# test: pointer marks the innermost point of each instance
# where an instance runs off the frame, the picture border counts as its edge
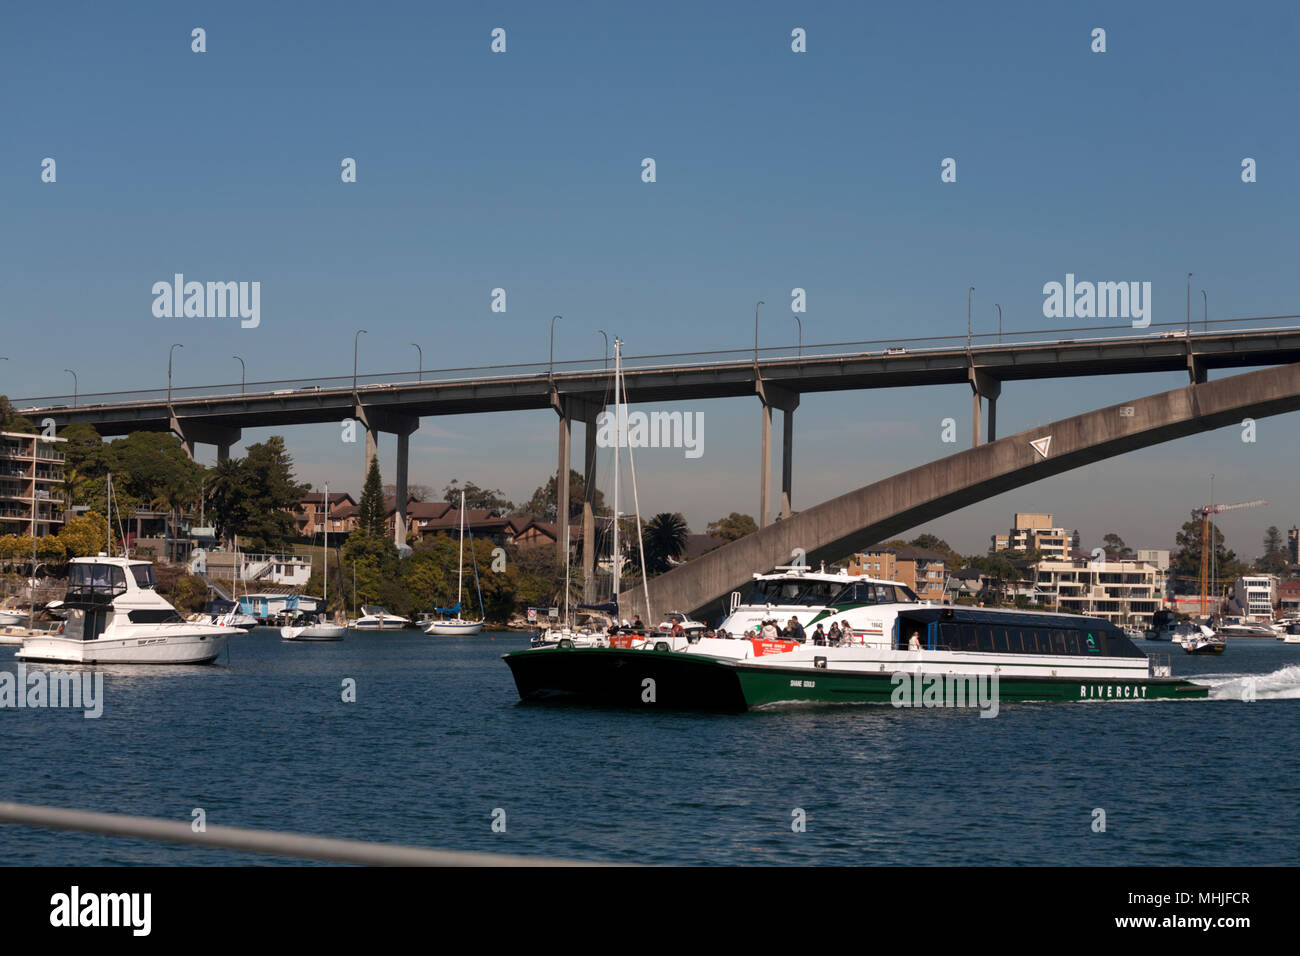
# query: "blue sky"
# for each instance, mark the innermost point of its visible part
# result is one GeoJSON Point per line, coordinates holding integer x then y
{"type": "Point", "coordinates": [775, 170]}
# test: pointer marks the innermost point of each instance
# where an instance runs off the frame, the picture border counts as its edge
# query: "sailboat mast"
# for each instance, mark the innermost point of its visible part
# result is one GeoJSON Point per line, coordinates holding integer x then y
{"type": "Point", "coordinates": [618, 440]}
{"type": "Point", "coordinates": [566, 574]}
{"type": "Point", "coordinates": [460, 571]}
{"type": "Point", "coordinates": [326, 598]}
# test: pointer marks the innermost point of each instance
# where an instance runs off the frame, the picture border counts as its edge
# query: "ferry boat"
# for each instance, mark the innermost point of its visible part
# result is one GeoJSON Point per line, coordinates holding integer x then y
{"type": "Point", "coordinates": [887, 636]}
{"type": "Point", "coordinates": [113, 615]}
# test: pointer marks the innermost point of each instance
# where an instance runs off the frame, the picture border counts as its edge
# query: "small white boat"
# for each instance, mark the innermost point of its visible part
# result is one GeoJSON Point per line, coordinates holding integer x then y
{"type": "Point", "coordinates": [677, 618]}
{"type": "Point", "coordinates": [1292, 634]}
{"type": "Point", "coordinates": [317, 627]}
{"type": "Point", "coordinates": [12, 617]}
{"type": "Point", "coordinates": [375, 618]}
{"type": "Point", "coordinates": [1235, 627]}
{"type": "Point", "coordinates": [311, 628]}
{"type": "Point", "coordinates": [1204, 644]}
{"type": "Point", "coordinates": [113, 615]}
{"type": "Point", "coordinates": [457, 626]}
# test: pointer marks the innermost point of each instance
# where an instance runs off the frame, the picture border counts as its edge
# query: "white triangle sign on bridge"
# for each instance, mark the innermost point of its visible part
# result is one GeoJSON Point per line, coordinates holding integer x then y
{"type": "Point", "coordinates": [1042, 445]}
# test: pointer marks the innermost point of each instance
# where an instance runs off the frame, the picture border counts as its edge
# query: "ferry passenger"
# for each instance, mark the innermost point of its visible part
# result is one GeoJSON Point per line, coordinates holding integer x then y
{"type": "Point", "coordinates": [794, 631]}
{"type": "Point", "coordinates": [769, 630]}
{"type": "Point", "coordinates": [914, 643]}
{"type": "Point", "coordinates": [636, 623]}
{"type": "Point", "coordinates": [819, 636]}
{"type": "Point", "coordinates": [678, 630]}
{"type": "Point", "coordinates": [834, 635]}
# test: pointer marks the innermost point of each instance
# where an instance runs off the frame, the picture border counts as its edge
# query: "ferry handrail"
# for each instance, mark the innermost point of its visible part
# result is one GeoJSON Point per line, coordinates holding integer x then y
{"type": "Point", "coordinates": [302, 846]}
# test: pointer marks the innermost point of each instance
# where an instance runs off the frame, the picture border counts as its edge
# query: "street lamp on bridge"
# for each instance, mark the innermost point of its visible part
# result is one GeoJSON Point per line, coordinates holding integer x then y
{"type": "Point", "coordinates": [171, 351]}
{"type": "Point", "coordinates": [968, 325]}
{"type": "Point", "coordinates": [74, 385]}
{"type": "Point", "coordinates": [551, 374]}
{"type": "Point", "coordinates": [420, 377]}
{"type": "Point", "coordinates": [602, 332]}
{"type": "Point", "coordinates": [1189, 303]}
{"type": "Point", "coordinates": [242, 371]}
{"type": "Point", "coordinates": [756, 305]}
{"type": "Point", "coordinates": [1205, 301]}
{"type": "Point", "coordinates": [999, 308]}
{"type": "Point", "coordinates": [355, 339]}
{"type": "Point", "coordinates": [800, 323]}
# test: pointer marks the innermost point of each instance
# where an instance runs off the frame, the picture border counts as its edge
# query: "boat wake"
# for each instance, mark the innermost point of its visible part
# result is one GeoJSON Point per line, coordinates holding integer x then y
{"type": "Point", "coordinates": [1281, 684]}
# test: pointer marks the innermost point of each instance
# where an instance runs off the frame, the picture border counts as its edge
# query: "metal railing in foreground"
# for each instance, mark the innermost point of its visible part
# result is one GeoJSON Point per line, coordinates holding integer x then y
{"type": "Point", "coordinates": [326, 849]}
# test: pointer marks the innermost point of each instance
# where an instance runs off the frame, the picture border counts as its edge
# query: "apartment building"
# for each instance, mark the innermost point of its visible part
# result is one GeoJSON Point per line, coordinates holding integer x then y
{"type": "Point", "coordinates": [1252, 597]}
{"type": "Point", "coordinates": [1035, 532]}
{"type": "Point", "coordinates": [31, 484]}
{"type": "Point", "coordinates": [1122, 592]}
{"type": "Point", "coordinates": [919, 569]}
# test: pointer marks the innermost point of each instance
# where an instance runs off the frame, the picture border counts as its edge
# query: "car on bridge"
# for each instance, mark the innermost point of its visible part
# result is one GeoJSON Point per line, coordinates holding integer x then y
{"type": "Point", "coordinates": [895, 350]}
{"type": "Point", "coordinates": [1172, 334]}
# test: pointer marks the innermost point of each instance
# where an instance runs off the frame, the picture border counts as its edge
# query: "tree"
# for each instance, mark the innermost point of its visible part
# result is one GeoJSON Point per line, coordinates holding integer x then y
{"type": "Point", "coordinates": [85, 460]}
{"type": "Point", "coordinates": [229, 500]}
{"type": "Point", "coordinates": [930, 542]}
{"type": "Point", "coordinates": [1074, 540]}
{"type": "Point", "coordinates": [85, 535]}
{"type": "Point", "coordinates": [664, 539]}
{"type": "Point", "coordinates": [542, 503]}
{"type": "Point", "coordinates": [1115, 548]}
{"type": "Point", "coordinates": [1185, 562]}
{"type": "Point", "coordinates": [484, 498]}
{"type": "Point", "coordinates": [1274, 558]}
{"type": "Point", "coordinates": [733, 527]}
{"type": "Point", "coordinates": [10, 420]}
{"type": "Point", "coordinates": [370, 510]}
{"type": "Point", "coordinates": [261, 509]}
{"type": "Point", "coordinates": [416, 492]}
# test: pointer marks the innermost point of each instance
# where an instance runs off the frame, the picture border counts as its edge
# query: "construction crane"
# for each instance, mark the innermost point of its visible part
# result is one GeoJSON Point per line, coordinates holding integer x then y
{"type": "Point", "coordinates": [1207, 546]}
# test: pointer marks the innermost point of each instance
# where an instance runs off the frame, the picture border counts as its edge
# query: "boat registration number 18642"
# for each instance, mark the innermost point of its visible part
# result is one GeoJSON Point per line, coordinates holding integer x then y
{"type": "Point", "coordinates": [803, 683]}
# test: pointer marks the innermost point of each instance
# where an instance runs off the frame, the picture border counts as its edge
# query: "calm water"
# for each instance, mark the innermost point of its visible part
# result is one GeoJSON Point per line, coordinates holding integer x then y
{"type": "Point", "coordinates": [437, 740]}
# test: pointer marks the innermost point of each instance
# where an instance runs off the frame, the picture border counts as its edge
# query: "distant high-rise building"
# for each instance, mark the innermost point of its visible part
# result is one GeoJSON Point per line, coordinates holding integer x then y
{"type": "Point", "coordinates": [1035, 532]}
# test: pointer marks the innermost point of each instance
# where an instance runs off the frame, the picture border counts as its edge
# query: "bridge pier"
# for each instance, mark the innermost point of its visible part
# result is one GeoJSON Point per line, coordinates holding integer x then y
{"type": "Point", "coordinates": [192, 433]}
{"type": "Point", "coordinates": [569, 408]}
{"type": "Point", "coordinates": [589, 503]}
{"type": "Point", "coordinates": [395, 423]}
{"type": "Point", "coordinates": [786, 400]}
{"type": "Point", "coordinates": [986, 386]}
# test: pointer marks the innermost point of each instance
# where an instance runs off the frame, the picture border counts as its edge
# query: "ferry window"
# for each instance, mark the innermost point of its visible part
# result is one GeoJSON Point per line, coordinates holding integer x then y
{"type": "Point", "coordinates": [1058, 642]}
{"type": "Point", "coordinates": [1013, 640]}
{"type": "Point", "coordinates": [1001, 642]}
{"type": "Point", "coordinates": [1033, 641]}
{"type": "Point", "coordinates": [986, 638]}
{"type": "Point", "coordinates": [968, 637]}
{"type": "Point", "coordinates": [948, 635]}
{"type": "Point", "coordinates": [1072, 642]}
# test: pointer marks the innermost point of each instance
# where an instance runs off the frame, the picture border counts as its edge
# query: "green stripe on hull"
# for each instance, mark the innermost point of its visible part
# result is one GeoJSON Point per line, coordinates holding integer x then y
{"type": "Point", "coordinates": [766, 685]}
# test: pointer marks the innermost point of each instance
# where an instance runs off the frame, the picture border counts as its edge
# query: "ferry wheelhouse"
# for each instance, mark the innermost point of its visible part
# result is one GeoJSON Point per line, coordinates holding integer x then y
{"type": "Point", "coordinates": [885, 635]}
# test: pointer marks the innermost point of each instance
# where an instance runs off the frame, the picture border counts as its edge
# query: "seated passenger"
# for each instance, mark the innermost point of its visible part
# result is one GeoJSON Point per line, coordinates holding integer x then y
{"type": "Point", "coordinates": [769, 630]}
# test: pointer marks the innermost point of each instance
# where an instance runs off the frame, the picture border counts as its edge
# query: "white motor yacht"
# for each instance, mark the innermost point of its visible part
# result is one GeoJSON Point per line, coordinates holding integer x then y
{"type": "Point", "coordinates": [375, 618]}
{"type": "Point", "coordinates": [114, 615]}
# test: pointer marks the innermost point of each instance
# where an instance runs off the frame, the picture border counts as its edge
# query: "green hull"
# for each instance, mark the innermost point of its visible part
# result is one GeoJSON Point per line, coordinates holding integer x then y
{"type": "Point", "coordinates": [695, 682]}
{"type": "Point", "coordinates": [768, 685]}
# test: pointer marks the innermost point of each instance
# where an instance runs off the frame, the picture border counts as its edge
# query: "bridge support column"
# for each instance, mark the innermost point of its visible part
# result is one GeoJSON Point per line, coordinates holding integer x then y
{"type": "Point", "coordinates": [589, 504]}
{"type": "Point", "coordinates": [374, 421]}
{"type": "Point", "coordinates": [402, 479]}
{"type": "Point", "coordinates": [775, 396]}
{"type": "Point", "coordinates": [193, 433]}
{"type": "Point", "coordinates": [1196, 372]}
{"type": "Point", "coordinates": [983, 385]}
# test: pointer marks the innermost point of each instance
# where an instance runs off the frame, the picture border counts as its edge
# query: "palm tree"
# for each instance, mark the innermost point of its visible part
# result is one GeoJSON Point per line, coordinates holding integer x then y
{"type": "Point", "coordinates": [665, 540]}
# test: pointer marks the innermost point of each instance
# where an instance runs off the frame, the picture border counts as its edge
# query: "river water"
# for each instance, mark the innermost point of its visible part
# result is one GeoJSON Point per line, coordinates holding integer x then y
{"type": "Point", "coordinates": [437, 745]}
